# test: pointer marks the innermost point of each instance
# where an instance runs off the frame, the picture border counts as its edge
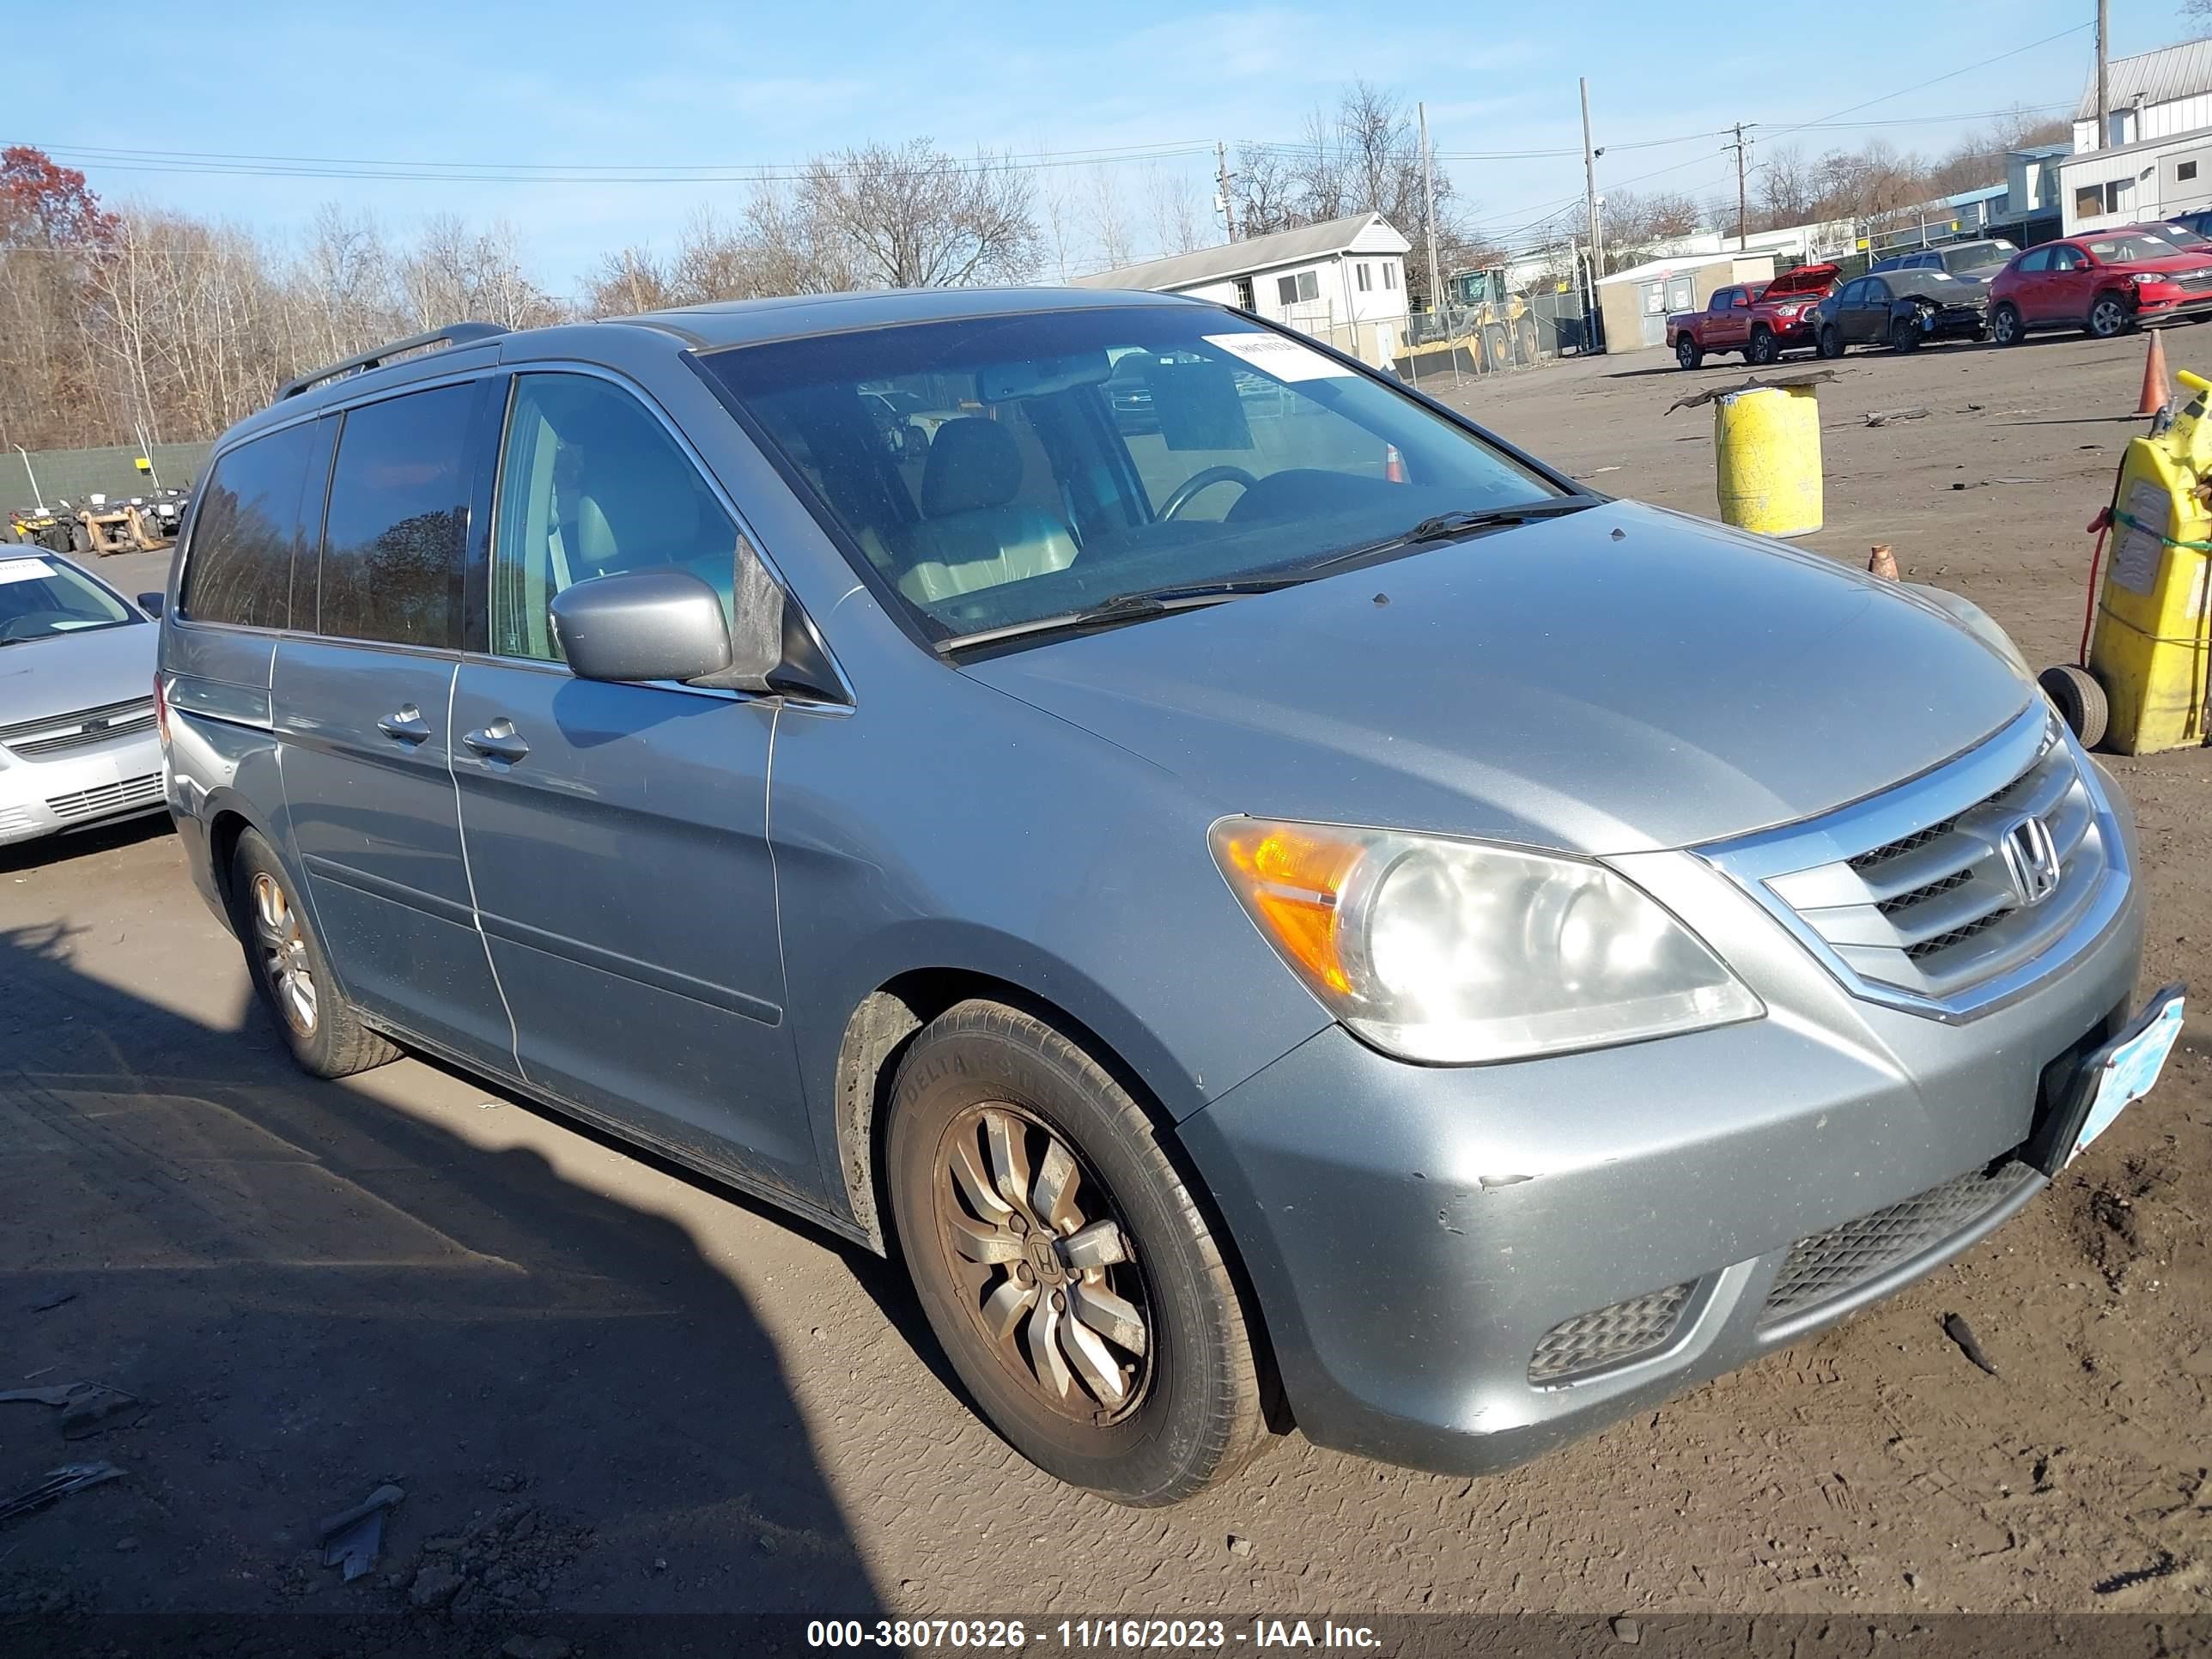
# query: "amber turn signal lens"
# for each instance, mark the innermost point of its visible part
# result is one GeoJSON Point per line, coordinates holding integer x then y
{"type": "Point", "coordinates": [1290, 879]}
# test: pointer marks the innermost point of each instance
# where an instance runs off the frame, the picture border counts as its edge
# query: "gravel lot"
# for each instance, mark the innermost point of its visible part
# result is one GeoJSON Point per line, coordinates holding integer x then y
{"type": "Point", "coordinates": [609, 1386]}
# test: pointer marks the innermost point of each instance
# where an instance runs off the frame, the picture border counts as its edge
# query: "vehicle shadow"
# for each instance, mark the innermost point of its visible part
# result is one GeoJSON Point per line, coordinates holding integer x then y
{"type": "Point", "coordinates": [310, 1294]}
{"type": "Point", "coordinates": [22, 855]}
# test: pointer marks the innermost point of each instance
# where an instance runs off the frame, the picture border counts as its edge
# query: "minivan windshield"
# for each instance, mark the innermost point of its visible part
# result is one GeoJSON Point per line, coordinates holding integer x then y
{"type": "Point", "coordinates": [1042, 465]}
{"type": "Point", "coordinates": [40, 597]}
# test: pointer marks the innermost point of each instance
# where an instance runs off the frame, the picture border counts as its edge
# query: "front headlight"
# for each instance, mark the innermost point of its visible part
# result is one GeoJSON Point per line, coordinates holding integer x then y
{"type": "Point", "coordinates": [1455, 952]}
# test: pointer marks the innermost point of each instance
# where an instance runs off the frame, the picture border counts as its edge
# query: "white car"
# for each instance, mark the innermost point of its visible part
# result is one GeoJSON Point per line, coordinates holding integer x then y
{"type": "Point", "coordinates": [78, 740]}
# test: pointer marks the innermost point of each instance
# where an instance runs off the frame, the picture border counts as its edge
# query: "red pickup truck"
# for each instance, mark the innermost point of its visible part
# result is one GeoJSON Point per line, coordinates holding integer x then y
{"type": "Point", "coordinates": [1761, 320]}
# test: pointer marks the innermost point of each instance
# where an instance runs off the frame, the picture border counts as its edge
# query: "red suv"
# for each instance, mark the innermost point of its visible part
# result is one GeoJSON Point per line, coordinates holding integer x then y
{"type": "Point", "coordinates": [2104, 283]}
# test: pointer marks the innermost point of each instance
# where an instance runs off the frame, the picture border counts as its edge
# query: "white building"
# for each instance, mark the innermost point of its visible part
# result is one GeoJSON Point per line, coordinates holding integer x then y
{"type": "Point", "coordinates": [2153, 179]}
{"type": "Point", "coordinates": [2153, 95]}
{"type": "Point", "coordinates": [1343, 282]}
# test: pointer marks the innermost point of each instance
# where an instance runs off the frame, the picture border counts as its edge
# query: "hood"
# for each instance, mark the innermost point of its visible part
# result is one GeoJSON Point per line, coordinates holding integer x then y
{"type": "Point", "coordinates": [1551, 683]}
{"type": "Point", "coordinates": [1804, 283]}
{"type": "Point", "coordinates": [2176, 264]}
{"type": "Point", "coordinates": [64, 672]}
{"type": "Point", "coordinates": [1941, 287]}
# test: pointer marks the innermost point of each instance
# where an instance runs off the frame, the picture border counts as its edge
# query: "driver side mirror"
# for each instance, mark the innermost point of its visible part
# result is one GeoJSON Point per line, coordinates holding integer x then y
{"type": "Point", "coordinates": [151, 603]}
{"type": "Point", "coordinates": [643, 625]}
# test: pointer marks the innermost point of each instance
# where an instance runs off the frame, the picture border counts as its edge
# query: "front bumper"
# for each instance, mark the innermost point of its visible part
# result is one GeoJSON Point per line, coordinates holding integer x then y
{"type": "Point", "coordinates": [1414, 1235]}
{"type": "Point", "coordinates": [2191, 308]}
{"type": "Point", "coordinates": [80, 788]}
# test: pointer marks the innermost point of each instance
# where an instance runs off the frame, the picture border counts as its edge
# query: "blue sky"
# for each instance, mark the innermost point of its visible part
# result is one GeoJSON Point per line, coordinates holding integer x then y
{"type": "Point", "coordinates": [684, 85]}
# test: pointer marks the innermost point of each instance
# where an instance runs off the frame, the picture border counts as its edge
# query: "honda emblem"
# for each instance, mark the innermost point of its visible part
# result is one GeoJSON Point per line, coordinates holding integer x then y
{"type": "Point", "coordinates": [2032, 861]}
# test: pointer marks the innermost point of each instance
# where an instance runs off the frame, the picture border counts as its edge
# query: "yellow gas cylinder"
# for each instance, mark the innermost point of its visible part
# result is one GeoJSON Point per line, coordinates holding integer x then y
{"type": "Point", "coordinates": [2148, 648]}
{"type": "Point", "coordinates": [1766, 451]}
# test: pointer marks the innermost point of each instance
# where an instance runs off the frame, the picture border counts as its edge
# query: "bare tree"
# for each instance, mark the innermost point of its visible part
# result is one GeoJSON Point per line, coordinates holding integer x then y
{"type": "Point", "coordinates": [1107, 214]}
{"type": "Point", "coordinates": [912, 216]}
{"type": "Point", "coordinates": [1173, 210]}
{"type": "Point", "coordinates": [1363, 157]}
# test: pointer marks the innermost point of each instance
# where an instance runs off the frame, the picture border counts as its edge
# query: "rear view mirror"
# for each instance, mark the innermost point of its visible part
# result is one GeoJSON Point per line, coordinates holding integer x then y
{"type": "Point", "coordinates": [642, 625]}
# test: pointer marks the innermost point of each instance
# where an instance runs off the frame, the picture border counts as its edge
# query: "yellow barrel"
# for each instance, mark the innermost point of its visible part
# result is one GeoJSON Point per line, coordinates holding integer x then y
{"type": "Point", "coordinates": [1766, 451]}
{"type": "Point", "coordinates": [2152, 639]}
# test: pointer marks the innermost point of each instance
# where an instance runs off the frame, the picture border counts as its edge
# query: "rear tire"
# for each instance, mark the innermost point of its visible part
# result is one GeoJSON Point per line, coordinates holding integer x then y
{"type": "Point", "coordinates": [2006, 327]}
{"type": "Point", "coordinates": [988, 1102]}
{"type": "Point", "coordinates": [317, 1020]}
{"type": "Point", "coordinates": [1830, 344]}
{"type": "Point", "coordinates": [2079, 700]}
{"type": "Point", "coordinates": [1688, 352]}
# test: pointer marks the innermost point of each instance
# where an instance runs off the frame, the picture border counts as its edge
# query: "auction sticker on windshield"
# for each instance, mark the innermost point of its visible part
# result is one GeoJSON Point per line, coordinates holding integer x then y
{"type": "Point", "coordinates": [2130, 1070]}
{"type": "Point", "coordinates": [1286, 360]}
{"type": "Point", "coordinates": [23, 570]}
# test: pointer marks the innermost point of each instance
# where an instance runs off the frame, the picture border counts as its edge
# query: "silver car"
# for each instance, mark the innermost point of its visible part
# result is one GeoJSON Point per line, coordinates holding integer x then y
{"type": "Point", "coordinates": [1313, 918]}
{"type": "Point", "coordinates": [77, 738]}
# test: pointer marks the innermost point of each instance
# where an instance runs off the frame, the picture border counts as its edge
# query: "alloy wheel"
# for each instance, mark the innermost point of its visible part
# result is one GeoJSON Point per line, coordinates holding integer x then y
{"type": "Point", "coordinates": [1046, 1264]}
{"type": "Point", "coordinates": [283, 955]}
{"type": "Point", "coordinates": [2107, 318]}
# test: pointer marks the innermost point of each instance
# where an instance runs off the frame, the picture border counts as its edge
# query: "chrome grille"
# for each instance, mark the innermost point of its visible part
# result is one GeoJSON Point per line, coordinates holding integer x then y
{"type": "Point", "coordinates": [56, 732]}
{"type": "Point", "coordinates": [1912, 895]}
{"type": "Point", "coordinates": [108, 797]}
{"type": "Point", "coordinates": [1836, 1261]}
{"type": "Point", "coordinates": [1608, 1336]}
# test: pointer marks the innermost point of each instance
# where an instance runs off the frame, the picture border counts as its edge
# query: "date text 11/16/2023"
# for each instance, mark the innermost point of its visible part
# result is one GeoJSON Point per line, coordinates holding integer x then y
{"type": "Point", "coordinates": [1084, 1635]}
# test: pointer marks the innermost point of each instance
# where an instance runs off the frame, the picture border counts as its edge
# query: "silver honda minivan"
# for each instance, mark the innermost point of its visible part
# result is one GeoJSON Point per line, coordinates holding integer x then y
{"type": "Point", "coordinates": [1288, 910]}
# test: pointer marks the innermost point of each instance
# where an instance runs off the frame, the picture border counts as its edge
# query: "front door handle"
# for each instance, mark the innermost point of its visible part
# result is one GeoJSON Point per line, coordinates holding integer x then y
{"type": "Point", "coordinates": [405, 725]}
{"type": "Point", "coordinates": [497, 741]}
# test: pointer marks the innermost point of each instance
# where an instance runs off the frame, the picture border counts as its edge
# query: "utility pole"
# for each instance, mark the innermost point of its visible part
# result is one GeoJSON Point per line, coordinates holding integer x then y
{"type": "Point", "coordinates": [1428, 215]}
{"type": "Point", "coordinates": [1741, 201]}
{"type": "Point", "coordinates": [1589, 208]}
{"type": "Point", "coordinates": [2104, 84]}
{"type": "Point", "coordinates": [1221, 175]}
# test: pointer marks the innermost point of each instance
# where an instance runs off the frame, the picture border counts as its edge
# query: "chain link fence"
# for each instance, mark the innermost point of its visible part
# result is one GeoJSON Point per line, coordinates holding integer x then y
{"type": "Point", "coordinates": [56, 474]}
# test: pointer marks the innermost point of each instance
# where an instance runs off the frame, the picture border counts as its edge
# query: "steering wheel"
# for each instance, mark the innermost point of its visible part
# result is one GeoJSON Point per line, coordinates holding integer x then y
{"type": "Point", "coordinates": [1212, 476]}
{"type": "Point", "coordinates": [30, 625]}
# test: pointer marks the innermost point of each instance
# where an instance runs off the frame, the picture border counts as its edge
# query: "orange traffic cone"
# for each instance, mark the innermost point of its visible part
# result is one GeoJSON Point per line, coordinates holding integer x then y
{"type": "Point", "coordinates": [1883, 562]}
{"type": "Point", "coordinates": [2155, 395]}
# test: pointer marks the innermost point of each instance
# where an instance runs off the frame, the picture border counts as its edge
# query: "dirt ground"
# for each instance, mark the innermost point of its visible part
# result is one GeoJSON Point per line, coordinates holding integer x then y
{"type": "Point", "coordinates": [608, 1387]}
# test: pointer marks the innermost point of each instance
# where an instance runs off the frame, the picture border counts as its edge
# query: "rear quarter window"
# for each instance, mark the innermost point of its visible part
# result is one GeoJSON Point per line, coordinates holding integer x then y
{"type": "Point", "coordinates": [398, 518]}
{"type": "Point", "coordinates": [256, 516]}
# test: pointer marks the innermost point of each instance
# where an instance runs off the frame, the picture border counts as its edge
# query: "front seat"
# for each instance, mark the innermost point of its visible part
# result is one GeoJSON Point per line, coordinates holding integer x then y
{"type": "Point", "coordinates": [638, 509]}
{"type": "Point", "coordinates": [971, 536]}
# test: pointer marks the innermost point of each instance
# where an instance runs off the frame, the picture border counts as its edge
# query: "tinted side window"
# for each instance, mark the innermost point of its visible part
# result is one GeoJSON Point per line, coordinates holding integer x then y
{"type": "Point", "coordinates": [1877, 291]}
{"type": "Point", "coordinates": [249, 528]}
{"type": "Point", "coordinates": [592, 485]}
{"type": "Point", "coordinates": [2038, 260]}
{"type": "Point", "coordinates": [1853, 292]}
{"type": "Point", "coordinates": [398, 514]}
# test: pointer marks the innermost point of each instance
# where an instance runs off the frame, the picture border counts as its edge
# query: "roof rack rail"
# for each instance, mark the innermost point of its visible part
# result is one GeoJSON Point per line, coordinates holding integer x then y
{"type": "Point", "coordinates": [452, 334]}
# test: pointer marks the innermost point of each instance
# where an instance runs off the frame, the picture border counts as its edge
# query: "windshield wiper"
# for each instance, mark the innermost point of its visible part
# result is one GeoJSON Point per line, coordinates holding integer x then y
{"type": "Point", "coordinates": [1142, 605]}
{"type": "Point", "coordinates": [1443, 526]}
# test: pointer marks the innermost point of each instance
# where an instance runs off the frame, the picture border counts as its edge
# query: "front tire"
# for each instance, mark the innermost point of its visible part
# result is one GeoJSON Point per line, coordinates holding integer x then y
{"type": "Point", "coordinates": [2108, 317]}
{"type": "Point", "coordinates": [1063, 1263]}
{"type": "Point", "coordinates": [1688, 352]}
{"type": "Point", "coordinates": [1904, 334]}
{"type": "Point", "coordinates": [2005, 326]}
{"type": "Point", "coordinates": [317, 1020]}
{"type": "Point", "coordinates": [1764, 348]}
